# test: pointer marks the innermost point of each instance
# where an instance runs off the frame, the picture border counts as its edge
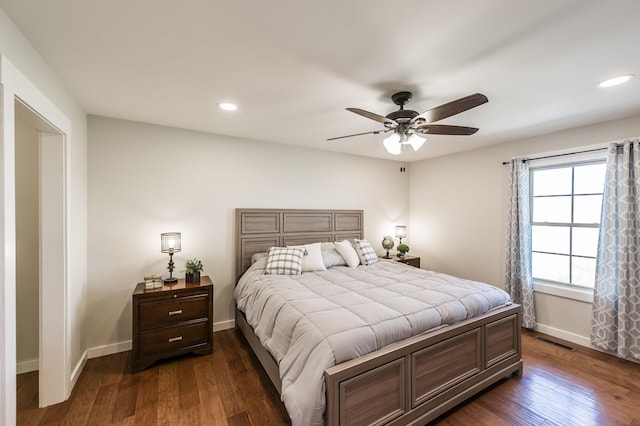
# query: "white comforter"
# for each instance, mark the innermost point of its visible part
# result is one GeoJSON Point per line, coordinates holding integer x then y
{"type": "Point", "coordinates": [313, 321]}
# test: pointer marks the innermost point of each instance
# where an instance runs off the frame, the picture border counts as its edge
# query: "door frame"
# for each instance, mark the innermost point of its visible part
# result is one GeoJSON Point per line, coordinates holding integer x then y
{"type": "Point", "coordinates": [55, 370]}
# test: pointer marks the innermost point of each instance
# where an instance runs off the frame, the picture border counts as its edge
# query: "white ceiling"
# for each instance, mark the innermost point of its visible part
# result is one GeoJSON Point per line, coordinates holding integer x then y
{"type": "Point", "coordinates": [292, 66]}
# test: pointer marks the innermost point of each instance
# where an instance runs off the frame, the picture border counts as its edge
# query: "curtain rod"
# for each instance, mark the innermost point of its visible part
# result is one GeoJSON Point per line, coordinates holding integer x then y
{"type": "Point", "coordinates": [524, 160]}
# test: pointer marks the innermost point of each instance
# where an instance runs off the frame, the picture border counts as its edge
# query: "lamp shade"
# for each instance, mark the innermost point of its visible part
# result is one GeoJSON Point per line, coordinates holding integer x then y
{"type": "Point", "coordinates": [416, 141]}
{"type": "Point", "coordinates": [170, 242]}
{"type": "Point", "coordinates": [401, 231]}
{"type": "Point", "coordinates": [392, 145]}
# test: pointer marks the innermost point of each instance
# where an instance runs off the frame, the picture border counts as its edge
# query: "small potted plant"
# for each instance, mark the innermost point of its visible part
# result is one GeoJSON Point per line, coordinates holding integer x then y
{"type": "Point", "coordinates": [192, 268]}
{"type": "Point", "coordinates": [402, 250]}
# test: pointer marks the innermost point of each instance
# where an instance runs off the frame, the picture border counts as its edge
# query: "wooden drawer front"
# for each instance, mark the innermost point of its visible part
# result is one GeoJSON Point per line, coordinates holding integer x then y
{"type": "Point", "coordinates": [173, 339]}
{"type": "Point", "coordinates": [443, 365]}
{"type": "Point", "coordinates": [502, 339]}
{"type": "Point", "coordinates": [374, 397]}
{"type": "Point", "coordinates": [415, 262]}
{"type": "Point", "coordinates": [171, 311]}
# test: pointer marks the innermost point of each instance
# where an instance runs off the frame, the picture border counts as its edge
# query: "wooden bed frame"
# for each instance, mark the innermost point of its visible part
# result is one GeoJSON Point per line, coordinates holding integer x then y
{"type": "Point", "coordinates": [409, 382]}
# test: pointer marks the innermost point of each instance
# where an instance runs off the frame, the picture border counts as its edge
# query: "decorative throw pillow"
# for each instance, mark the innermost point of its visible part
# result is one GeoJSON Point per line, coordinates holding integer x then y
{"type": "Point", "coordinates": [312, 259]}
{"type": "Point", "coordinates": [284, 261]}
{"type": "Point", "coordinates": [365, 251]}
{"type": "Point", "coordinates": [347, 251]}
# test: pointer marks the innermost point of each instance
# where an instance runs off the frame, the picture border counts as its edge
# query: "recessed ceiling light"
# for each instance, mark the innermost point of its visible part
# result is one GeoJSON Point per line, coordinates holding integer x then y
{"type": "Point", "coordinates": [227, 106]}
{"type": "Point", "coordinates": [616, 80]}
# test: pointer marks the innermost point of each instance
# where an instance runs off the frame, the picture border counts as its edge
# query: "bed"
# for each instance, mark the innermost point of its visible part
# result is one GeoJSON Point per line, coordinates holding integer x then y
{"type": "Point", "coordinates": [411, 381]}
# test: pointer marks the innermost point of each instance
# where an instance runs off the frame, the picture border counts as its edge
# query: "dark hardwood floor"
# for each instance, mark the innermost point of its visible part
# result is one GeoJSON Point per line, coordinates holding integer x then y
{"type": "Point", "coordinates": [558, 387]}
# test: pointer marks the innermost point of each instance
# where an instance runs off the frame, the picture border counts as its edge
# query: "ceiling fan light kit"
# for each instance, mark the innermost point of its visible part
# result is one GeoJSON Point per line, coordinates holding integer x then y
{"type": "Point", "coordinates": [416, 141]}
{"type": "Point", "coordinates": [410, 127]}
{"type": "Point", "coordinates": [393, 143]}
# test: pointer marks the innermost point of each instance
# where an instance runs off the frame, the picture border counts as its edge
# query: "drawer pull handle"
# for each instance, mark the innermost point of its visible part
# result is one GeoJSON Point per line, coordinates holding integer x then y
{"type": "Point", "coordinates": [175, 339]}
{"type": "Point", "coordinates": [179, 311]}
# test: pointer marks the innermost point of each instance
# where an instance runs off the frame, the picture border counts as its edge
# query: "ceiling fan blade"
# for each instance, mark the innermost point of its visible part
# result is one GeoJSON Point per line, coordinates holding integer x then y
{"type": "Point", "coordinates": [451, 108]}
{"type": "Point", "coordinates": [374, 116]}
{"type": "Point", "coordinates": [375, 132]}
{"type": "Point", "coordinates": [443, 129]}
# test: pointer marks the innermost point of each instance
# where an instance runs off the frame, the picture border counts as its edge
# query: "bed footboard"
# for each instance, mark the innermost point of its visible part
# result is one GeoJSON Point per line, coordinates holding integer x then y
{"type": "Point", "coordinates": [421, 378]}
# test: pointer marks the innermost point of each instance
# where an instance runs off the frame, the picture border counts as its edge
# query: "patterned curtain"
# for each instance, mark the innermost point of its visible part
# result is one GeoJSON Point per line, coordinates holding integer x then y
{"type": "Point", "coordinates": [615, 321]}
{"type": "Point", "coordinates": [519, 282]}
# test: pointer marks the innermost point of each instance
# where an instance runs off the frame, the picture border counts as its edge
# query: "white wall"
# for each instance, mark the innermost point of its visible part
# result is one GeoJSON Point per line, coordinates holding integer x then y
{"type": "Point", "coordinates": [31, 77]}
{"type": "Point", "coordinates": [146, 179]}
{"type": "Point", "coordinates": [458, 207]}
{"type": "Point", "coordinates": [27, 246]}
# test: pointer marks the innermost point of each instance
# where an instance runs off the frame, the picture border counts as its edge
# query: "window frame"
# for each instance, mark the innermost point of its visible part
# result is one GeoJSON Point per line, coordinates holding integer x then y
{"type": "Point", "coordinates": [559, 288]}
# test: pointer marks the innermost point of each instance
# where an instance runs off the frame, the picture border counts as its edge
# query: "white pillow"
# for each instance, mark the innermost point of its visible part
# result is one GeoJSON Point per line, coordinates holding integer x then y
{"type": "Point", "coordinates": [332, 258]}
{"type": "Point", "coordinates": [284, 261]}
{"type": "Point", "coordinates": [257, 256]}
{"type": "Point", "coordinates": [365, 251]}
{"type": "Point", "coordinates": [312, 259]}
{"type": "Point", "coordinates": [349, 254]}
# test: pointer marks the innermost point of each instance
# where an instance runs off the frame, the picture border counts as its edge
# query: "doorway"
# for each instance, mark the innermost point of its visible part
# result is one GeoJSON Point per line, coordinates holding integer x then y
{"type": "Point", "coordinates": [46, 254]}
{"type": "Point", "coordinates": [27, 242]}
{"type": "Point", "coordinates": [17, 92]}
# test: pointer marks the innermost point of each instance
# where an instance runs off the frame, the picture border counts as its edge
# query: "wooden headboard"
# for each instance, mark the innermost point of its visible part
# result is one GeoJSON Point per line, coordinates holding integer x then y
{"type": "Point", "coordinates": [257, 230]}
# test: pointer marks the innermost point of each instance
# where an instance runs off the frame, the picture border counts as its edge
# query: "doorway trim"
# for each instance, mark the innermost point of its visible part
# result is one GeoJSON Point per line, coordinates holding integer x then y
{"type": "Point", "coordinates": [56, 386]}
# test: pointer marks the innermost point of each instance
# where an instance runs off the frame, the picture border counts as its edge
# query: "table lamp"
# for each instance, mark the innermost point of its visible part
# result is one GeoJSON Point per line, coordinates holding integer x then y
{"type": "Point", "coordinates": [170, 243]}
{"type": "Point", "coordinates": [401, 232]}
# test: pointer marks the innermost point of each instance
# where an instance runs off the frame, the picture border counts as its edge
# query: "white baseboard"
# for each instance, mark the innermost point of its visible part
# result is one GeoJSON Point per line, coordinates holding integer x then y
{"type": "Point", "coordinates": [565, 335]}
{"type": "Point", "coordinates": [27, 366]}
{"type": "Point", "coordinates": [571, 337]}
{"type": "Point", "coordinates": [111, 349]}
{"type": "Point", "coordinates": [75, 375]}
{"type": "Point", "coordinates": [115, 348]}
{"type": "Point", "coordinates": [224, 325]}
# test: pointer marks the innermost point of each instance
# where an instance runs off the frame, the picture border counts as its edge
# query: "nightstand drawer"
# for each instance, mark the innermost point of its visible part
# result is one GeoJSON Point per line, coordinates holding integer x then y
{"type": "Point", "coordinates": [174, 339]}
{"type": "Point", "coordinates": [407, 260]}
{"type": "Point", "coordinates": [172, 311]}
{"type": "Point", "coordinates": [172, 320]}
{"type": "Point", "coordinates": [412, 261]}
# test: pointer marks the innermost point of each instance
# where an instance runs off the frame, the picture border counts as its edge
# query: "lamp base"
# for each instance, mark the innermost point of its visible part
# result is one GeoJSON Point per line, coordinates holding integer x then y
{"type": "Point", "coordinates": [171, 280]}
{"type": "Point", "coordinates": [387, 255]}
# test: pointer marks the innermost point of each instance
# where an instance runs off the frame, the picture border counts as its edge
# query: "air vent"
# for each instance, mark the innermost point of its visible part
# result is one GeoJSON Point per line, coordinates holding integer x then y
{"type": "Point", "coordinates": [551, 342]}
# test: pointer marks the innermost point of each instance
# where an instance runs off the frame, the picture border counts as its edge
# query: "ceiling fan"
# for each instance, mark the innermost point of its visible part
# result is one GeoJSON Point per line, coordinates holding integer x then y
{"type": "Point", "coordinates": [410, 127]}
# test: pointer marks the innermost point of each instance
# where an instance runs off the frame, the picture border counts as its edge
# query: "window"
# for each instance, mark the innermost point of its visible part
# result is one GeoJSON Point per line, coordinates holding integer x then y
{"type": "Point", "coordinates": [566, 202]}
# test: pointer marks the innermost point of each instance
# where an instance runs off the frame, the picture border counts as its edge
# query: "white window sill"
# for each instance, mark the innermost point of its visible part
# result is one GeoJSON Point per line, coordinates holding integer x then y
{"type": "Point", "coordinates": [568, 292]}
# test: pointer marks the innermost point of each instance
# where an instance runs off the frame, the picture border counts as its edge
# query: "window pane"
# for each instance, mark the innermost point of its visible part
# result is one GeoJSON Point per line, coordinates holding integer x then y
{"type": "Point", "coordinates": [584, 271]}
{"type": "Point", "coordinates": [589, 179]}
{"type": "Point", "coordinates": [550, 267]}
{"type": "Point", "coordinates": [552, 181]}
{"type": "Point", "coordinates": [552, 209]}
{"type": "Point", "coordinates": [586, 208]}
{"type": "Point", "coordinates": [554, 239]}
{"type": "Point", "coordinates": [585, 241]}
{"type": "Point", "coordinates": [569, 196]}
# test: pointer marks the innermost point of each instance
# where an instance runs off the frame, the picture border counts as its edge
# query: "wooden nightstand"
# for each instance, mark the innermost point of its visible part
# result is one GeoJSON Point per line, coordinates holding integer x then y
{"type": "Point", "coordinates": [407, 260]}
{"type": "Point", "coordinates": [172, 320]}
